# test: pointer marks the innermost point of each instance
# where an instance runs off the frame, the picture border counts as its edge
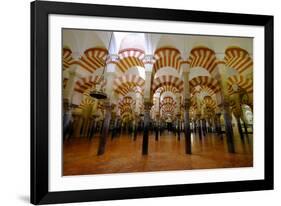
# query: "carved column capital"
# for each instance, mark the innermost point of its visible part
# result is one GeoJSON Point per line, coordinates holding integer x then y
{"type": "Point", "coordinates": [148, 59]}
{"type": "Point", "coordinates": [112, 59]}
{"type": "Point", "coordinates": [185, 68]}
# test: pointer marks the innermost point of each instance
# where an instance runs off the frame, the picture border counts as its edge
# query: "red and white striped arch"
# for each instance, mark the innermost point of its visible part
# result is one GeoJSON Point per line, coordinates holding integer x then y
{"type": "Point", "coordinates": [93, 59]}
{"type": "Point", "coordinates": [209, 102]}
{"type": "Point", "coordinates": [129, 58]}
{"type": "Point", "coordinates": [203, 89]}
{"type": "Point", "coordinates": [193, 111]}
{"type": "Point", "coordinates": [127, 87]}
{"type": "Point", "coordinates": [168, 105]}
{"type": "Point", "coordinates": [167, 80]}
{"type": "Point", "coordinates": [126, 83]}
{"type": "Point", "coordinates": [168, 101]}
{"type": "Point", "coordinates": [126, 115]}
{"type": "Point", "coordinates": [238, 58]}
{"type": "Point", "coordinates": [167, 57]}
{"type": "Point", "coordinates": [67, 58]}
{"type": "Point", "coordinates": [203, 57]}
{"type": "Point", "coordinates": [86, 103]}
{"type": "Point", "coordinates": [100, 106]}
{"type": "Point", "coordinates": [167, 88]}
{"type": "Point", "coordinates": [126, 108]}
{"type": "Point", "coordinates": [126, 101]}
{"type": "Point", "coordinates": [241, 81]}
{"type": "Point", "coordinates": [86, 83]}
{"type": "Point", "coordinates": [168, 109]}
{"type": "Point", "coordinates": [193, 101]}
{"type": "Point", "coordinates": [213, 84]}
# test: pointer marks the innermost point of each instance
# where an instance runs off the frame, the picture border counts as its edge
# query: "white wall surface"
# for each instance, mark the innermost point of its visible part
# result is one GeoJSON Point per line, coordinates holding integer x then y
{"type": "Point", "coordinates": [14, 102]}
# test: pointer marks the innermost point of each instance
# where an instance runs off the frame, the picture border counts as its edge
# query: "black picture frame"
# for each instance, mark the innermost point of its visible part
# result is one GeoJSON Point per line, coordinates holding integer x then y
{"type": "Point", "coordinates": [40, 113]}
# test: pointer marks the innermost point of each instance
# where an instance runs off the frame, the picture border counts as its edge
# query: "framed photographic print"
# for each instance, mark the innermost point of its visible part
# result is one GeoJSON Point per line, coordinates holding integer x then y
{"type": "Point", "coordinates": [131, 102]}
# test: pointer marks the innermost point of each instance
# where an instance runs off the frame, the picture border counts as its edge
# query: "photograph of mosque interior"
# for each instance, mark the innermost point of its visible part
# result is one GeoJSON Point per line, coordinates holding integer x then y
{"type": "Point", "coordinates": [144, 102]}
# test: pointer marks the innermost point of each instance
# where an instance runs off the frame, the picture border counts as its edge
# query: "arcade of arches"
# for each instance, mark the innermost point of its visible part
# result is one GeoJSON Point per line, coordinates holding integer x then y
{"type": "Point", "coordinates": [174, 102]}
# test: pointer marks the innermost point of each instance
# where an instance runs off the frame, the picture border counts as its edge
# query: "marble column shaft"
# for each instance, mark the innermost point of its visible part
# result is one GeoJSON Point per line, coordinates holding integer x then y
{"type": "Point", "coordinates": [105, 129]}
{"type": "Point", "coordinates": [147, 106]}
{"type": "Point", "coordinates": [226, 108]}
{"type": "Point", "coordinates": [186, 96]}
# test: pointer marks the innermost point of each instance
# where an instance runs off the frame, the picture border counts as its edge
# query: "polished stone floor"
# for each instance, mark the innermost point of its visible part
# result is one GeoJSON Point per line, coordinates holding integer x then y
{"type": "Point", "coordinates": [122, 154]}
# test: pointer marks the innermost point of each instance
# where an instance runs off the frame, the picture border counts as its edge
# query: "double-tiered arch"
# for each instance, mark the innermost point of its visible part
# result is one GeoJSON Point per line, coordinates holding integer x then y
{"type": "Point", "coordinates": [158, 77]}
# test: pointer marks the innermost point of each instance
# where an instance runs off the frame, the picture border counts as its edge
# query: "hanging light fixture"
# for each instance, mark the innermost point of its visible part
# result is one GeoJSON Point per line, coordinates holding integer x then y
{"type": "Point", "coordinates": [98, 92]}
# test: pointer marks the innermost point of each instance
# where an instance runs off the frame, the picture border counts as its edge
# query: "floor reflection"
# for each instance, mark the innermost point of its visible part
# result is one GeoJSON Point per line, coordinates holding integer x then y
{"type": "Point", "coordinates": [123, 154]}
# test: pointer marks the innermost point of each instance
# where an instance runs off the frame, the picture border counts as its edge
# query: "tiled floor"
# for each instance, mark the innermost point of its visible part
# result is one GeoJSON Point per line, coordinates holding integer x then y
{"type": "Point", "coordinates": [124, 155]}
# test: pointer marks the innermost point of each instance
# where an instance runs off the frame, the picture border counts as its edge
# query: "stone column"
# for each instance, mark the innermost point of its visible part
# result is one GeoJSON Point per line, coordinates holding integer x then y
{"type": "Point", "coordinates": [213, 123]}
{"type": "Point", "coordinates": [186, 103]}
{"type": "Point", "coordinates": [78, 125]}
{"type": "Point", "coordinates": [72, 76]}
{"type": "Point", "coordinates": [199, 124]}
{"type": "Point", "coordinates": [148, 63]}
{"type": "Point", "coordinates": [187, 128]}
{"type": "Point", "coordinates": [240, 128]}
{"type": "Point", "coordinates": [138, 103]}
{"type": "Point", "coordinates": [94, 126]}
{"type": "Point", "coordinates": [135, 127]}
{"type": "Point", "coordinates": [157, 127]}
{"type": "Point", "coordinates": [179, 126]}
{"type": "Point", "coordinates": [194, 126]}
{"type": "Point", "coordinates": [90, 128]}
{"type": "Point", "coordinates": [237, 113]}
{"type": "Point", "coordinates": [218, 124]}
{"type": "Point", "coordinates": [67, 121]}
{"type": "Point", "coordinates": [93, 116]}
{"type": "Point", "coordinates": [245, 128]}
{"type": "Point", "coordinates": [86, 114]}
{"type": "Point", "coordinates": [199, 115]}
{"type": "Point", "coordinates": [147, 107]}
{"type": "Point", "coordinates": [178, 114]}
{"type": "Point", "coordinates": [108, 103]}
{"type": "Point", "coordinates": [114, 129]}
{"type": "Point", "coordinates": [237, 109]}
{"type": "Point", "coordinates": [228, 127]}
{"type": "Point", "coordinates": [137, 112]}
{"type": "Point", "coordinates": [105, 129]}
{"type": "Point", "coordinates": [157, 116]}
{"type": "Point", "coordinates": [204, 127]}
{"type": "Point", "coordinates": [209, 125]}
{"type": "Point", "coordinates": [226, 108]}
